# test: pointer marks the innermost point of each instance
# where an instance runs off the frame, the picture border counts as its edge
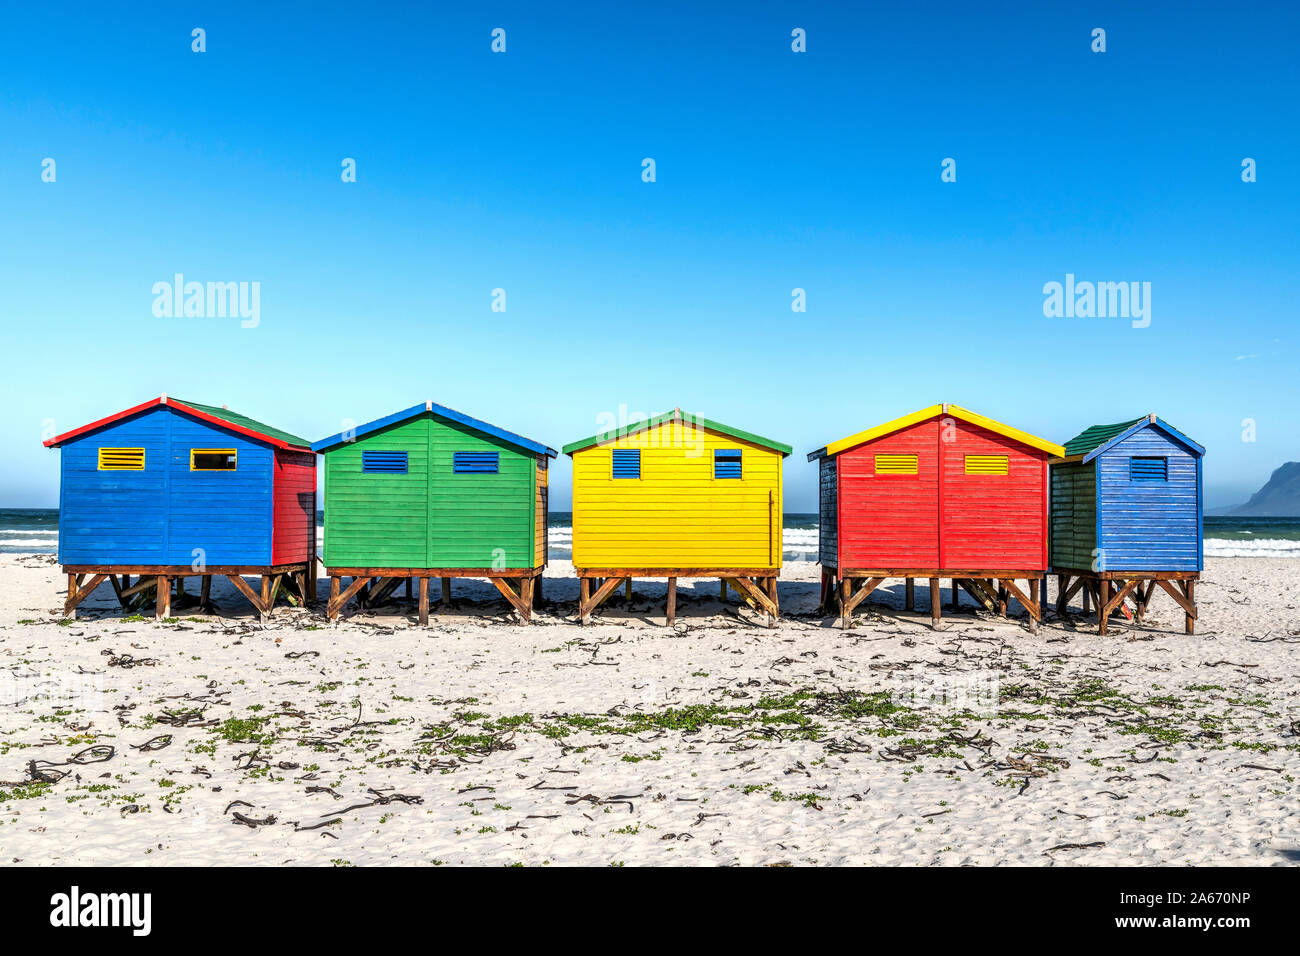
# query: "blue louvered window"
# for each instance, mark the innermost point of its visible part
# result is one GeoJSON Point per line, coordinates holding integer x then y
{"type": "Point", "coordinates": [475, 462]}
{"type": "Point", "coordinates": [1148, 469]}
{"type": "Point", "coordinates": [384, 462]}
{"type": "Point", "coordinates": [627, 462]}
{"type": "Point", "coordinates": [726, 463]}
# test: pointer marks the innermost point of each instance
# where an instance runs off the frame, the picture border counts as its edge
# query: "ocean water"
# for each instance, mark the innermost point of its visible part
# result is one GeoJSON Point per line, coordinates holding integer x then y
{"type": "Point", "coordinates": [36, 531]}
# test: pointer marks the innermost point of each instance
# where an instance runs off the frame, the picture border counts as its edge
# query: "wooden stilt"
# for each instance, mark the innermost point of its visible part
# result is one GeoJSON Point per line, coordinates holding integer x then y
{"type": "Point", "coordinates": [935, 602]}
{"type": "Point", "coordinates": [117, 590]}
{"type": "Point", "coordinates": [671, 610]}
{"type": "Point", "coordinates": [584, 598]}
{"type": "Point", "coordinates": [846, 610]}
{"type": "Point", "coordinates": [537, 591]}
{"type": "Point", "coordinates": [445, 596]}
{"type": "Point", "coordinates": [333, 607]}
{"type": "Point", "coordinates": [163, 597]}
{"type": "Point", "coordinates": [205, 592]}
{"type": "Point", "coordinates": [956, 595]}
{"type": "Point", "coordinates": [424, 602]}
{"type": "Point", "coordinates": [627, 593]}
{"type": "Point", "coordinates": [1189, 621]}
{"type": "Point", "coordinates": [909, 595]}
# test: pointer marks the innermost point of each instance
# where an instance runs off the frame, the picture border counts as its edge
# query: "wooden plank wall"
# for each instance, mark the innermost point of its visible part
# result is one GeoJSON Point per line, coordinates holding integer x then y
{"type": "Point", "coordinates": [677, 514]}
{"type": "Point", "coordinates": [827, 512]}
{"type": "Point", "coordinates": [1073, 515]}
{"type": "Point", "coordinates": [1150, 525]}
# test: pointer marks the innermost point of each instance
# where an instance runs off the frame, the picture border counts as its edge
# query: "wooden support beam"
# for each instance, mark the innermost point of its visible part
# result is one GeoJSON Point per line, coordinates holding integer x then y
{"type": "Point", "coordinates": [627, 594]}
{"type": "Point", "coordinates": [845, 593]}
{"type": "Point", "coordinates": [205, 593]}
{"type": "Point", "coordinates": [163, 597]}
{"type": "Point", "coordinates": [144, 584]}
{"type": "Point", "coordinates": [670, 612]}
{"type": "Point", "coordinates": [862, 592]}
{"type": "Point", "coordinates": [78, 594]}
{"type": "Point", "coordinates": [516, 600]}
{"type": "Point", "coordinates": [935, 598]}
{"type": "Point", "coordinates": [1031, 606]}
{"type": "Point", "coordinates": [1117, 601]}
{"type": "Point", "coordinates": [117, 590]}
{"type": "Point", "coordinates": [337, 599]}
{"type": "Point", "coordinates": [1189, 623]}
{"type": "Point", "coordinates": [275, 592]}
{"type": "Point", "coordinates": [537, 592]}
{"type": "Point", "coordinates": [973, 589]}
{"type": "Point", "coordinates": [1174, 591]}
{"type": "Point", "coordinates": [585, 608]}
{"type": "Point", "coordinates": [424, 602]}
{"type": "Point", "coordinates": [444, 596]}
{"type": "Point", "coordinates": [747, 587]}
{"type": "Point", "coordinates": [242, 585]}
{"type": "Point", "coordinates": [909, 595]}
{"type": "Point", "coordinates": [526, 597]}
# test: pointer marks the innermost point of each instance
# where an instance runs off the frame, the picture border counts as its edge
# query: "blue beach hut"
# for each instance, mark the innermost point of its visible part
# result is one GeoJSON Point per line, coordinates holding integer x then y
{"type": "Point", "coordinates": [1127, 517]}
{"type": "Point", "coordinates": [169, 489]}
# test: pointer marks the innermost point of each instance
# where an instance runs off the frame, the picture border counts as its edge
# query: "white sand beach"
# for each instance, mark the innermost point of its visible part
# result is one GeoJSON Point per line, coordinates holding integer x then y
{"type": "Point", "coordinates": [214, 740]}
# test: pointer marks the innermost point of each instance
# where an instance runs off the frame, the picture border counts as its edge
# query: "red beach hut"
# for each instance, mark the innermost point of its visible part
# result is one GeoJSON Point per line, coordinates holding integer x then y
{"type": "Point", "coordinates": [942, 492]}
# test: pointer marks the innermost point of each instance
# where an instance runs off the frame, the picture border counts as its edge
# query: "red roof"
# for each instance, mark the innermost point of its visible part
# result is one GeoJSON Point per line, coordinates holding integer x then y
{"type": "Point", "coordinates": [206, 413]}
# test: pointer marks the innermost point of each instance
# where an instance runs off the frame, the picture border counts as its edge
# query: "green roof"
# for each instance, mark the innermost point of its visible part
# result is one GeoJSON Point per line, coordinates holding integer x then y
{"type": "Point", "coordinates": [678, 414]}
{"type": "Point", "coordinates": [243, 421]}
{"type": "Point", "coordinates": [1096, 436]}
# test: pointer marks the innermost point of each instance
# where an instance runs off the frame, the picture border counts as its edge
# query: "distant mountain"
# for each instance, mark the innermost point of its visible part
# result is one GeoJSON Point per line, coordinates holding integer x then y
{"type": "Point", "coordinates": [1279, 497]}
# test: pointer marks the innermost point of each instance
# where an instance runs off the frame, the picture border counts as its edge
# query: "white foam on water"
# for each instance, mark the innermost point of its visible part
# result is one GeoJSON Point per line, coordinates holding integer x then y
{"type": "Point", "coordinates": [1254, 548]}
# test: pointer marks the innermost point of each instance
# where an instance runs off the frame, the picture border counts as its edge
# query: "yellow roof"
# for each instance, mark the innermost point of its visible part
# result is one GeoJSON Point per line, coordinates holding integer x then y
{"type": "Point", "coordinates": [956, 411]}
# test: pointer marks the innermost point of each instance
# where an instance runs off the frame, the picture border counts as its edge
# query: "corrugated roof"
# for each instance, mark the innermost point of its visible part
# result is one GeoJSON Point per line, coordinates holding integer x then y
{"type": "Point", "coordinates": [1097, 435]}
{"type": "Point", "coordinates": [243, 421]}
{"type": "Point", "coordinates": [676, 415]}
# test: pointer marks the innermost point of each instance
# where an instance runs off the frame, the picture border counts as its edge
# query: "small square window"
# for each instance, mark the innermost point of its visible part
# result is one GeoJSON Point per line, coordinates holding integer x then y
{"type": "Point", "coordinates": [213, 459]}
{"type": "Point", "coordinates": [726, 463]}
{"type": "Point", "coordinates": [384, 462]}
{"type": "Point", "coordinates": [1148, 469]}
{"type": "Point", "coordinates": [475, 462]}
{"type": "Point", "coordinates": [627, 462]}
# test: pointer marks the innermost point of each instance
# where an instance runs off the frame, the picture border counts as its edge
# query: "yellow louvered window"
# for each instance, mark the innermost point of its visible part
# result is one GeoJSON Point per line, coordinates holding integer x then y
{"type": "Point", "coordinates": [121, 459]}
{"type": "Point", "coordinates": [896, 465]}
{"type": "Point", "coordinates": [987, 465]}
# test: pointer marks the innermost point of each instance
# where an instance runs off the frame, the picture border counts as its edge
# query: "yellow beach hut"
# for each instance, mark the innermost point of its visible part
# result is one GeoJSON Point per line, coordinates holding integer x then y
{"type": "Point", "coordinates": [674, 496]}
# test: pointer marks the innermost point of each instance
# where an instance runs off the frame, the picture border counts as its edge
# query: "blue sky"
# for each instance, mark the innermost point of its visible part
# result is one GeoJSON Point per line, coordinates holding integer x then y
{"type": "Point", "coordinates": [775, 170]}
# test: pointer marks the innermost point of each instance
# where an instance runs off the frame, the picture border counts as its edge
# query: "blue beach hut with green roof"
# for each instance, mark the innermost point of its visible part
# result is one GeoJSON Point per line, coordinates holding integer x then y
{"type": "Point", "coordinates": [1126, 507]}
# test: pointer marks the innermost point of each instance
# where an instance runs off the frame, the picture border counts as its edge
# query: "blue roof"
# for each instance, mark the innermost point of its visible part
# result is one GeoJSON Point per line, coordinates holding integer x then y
{"type": "Point", "coordinates": [424, 408]}
{"type": "Point", "coordinates": [1136, 426]}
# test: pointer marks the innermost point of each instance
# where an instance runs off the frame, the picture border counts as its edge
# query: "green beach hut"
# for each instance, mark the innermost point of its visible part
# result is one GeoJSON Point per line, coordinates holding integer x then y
{"type": "Point", "coordinates": [431, 492]}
